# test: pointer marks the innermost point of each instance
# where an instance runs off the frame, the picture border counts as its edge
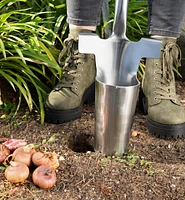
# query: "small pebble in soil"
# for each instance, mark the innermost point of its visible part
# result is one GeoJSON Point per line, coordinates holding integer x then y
{"type": "Point", "coordinates": [61, 158]}
{"type": "Point", "coordinates": [134, 133]}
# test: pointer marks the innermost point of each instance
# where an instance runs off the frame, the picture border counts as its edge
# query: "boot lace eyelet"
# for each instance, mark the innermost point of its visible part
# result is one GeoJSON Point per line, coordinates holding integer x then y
{"type": "Point", "coordinates": [156, 64]}
{"type": "Point", "coordinates": [155, 99]}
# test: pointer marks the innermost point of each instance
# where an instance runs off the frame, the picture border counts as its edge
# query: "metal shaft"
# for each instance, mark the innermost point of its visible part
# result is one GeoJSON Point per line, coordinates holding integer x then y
{"type": "Point", "coordinates": [120, 19]}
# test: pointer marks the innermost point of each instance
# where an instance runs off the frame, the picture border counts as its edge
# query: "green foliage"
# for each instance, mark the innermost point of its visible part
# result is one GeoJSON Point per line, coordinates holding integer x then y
{"type": "Point", "coordinates": [51, 13]}
{"type": "Point", "coordinates": [45, 142]}
{"type": "Point", "coordinates": [130, 158]}
{"type": "Point", "coordinates": [8, 108]}
{"type": "Point", "coordinates": [148, 168]}
{"type": "Point", "coordinates": [136, 19]}
{"type": "Point", "coordinates": [28, 57]}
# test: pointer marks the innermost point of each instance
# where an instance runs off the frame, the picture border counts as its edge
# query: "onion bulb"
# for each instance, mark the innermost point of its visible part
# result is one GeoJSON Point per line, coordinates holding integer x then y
{"type": "Point", "coordinates": [44, 177]}
{"type": "Point", "coordinates": [4, 152]}
{"type": "Point", "coordinates": [24, 154]}
{"type": "Point", "coordinates": [45, 158]}
{"type": "Point", "coordinates": [16, 172]}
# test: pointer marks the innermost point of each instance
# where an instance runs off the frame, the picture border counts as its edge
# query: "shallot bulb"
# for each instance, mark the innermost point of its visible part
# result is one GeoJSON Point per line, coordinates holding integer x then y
{"type": "Point", "coordinates": [44, 177]}
{"type": "Point", "coordinates": [24, 154]}
{"type": "Point", "coordinates": [4, 152]}
{"type": "Point", "coordinates": [16, 172]}
{"type": "Point", "coordinates": [45, 158]}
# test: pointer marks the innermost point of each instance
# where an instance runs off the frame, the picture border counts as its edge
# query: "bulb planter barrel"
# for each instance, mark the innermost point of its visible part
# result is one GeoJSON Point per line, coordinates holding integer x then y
{"type": "Point", "coordinates": [115, 109]}
{"type": "Point", "coordinates": [116, 84]}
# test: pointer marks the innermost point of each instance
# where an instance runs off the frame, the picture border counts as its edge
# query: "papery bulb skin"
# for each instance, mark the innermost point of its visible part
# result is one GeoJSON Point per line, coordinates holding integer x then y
{"type": "Point", "coordinates": [24, 154]}
{"type": "Point", "coordinates": [4, 152]}
{"type": "Point", "coordinates": [13, 144]}
{"type": "Point", "coordinates": [45, 158]}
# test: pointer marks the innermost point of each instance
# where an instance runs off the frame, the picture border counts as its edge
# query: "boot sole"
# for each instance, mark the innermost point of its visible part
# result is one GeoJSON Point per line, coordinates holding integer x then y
{"type": "Point", "coordinates": [61, 116]}
{"type": "Point", "coordinates": [158, 129]}
{"type": "Point", "coordinates": [165, 130]}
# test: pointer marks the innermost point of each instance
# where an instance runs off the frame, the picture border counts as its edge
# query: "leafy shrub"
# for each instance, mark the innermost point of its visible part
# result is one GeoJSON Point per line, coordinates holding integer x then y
{"type": "Point", "coordinates": [28, 59]}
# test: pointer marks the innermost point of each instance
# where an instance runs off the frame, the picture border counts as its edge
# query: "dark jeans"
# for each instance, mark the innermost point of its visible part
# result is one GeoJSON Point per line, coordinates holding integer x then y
{"type": "Point", "coordinates": [164, 16]}
{"type": "Point", "coordinates": [84, 12]}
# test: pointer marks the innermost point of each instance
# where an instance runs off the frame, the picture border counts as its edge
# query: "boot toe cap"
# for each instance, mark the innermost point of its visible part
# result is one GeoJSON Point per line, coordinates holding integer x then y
{"type": "Point", "coordinates": [61, 101]}
{"type": "Point", "coordinates": [167, 115]}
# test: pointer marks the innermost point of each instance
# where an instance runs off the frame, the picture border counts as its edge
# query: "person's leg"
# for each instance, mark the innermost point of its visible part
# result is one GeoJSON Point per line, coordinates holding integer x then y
{"type": "Point", "coordinates": [165, 17]}
{"type": "Point", "coordinates": [65, 101]}
{"type": "Point", "coordinates": [166, 116]}
{"type": "Point", "coordinates": [84, 13]}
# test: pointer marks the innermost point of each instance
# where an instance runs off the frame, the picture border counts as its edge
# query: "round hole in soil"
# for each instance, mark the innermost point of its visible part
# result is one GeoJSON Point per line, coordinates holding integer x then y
{"type": "Point", "coordinates": [80, 142]}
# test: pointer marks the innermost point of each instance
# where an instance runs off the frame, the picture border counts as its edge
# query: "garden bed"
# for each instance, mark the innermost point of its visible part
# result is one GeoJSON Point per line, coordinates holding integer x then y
{"type": "Point", "coordinates": [152, 169]}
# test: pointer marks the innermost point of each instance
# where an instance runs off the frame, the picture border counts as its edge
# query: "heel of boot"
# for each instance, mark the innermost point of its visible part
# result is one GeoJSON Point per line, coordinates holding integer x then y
{"type": "Point", "coordinates": [143, 103]}
{"type": "Point", "coordinates": [89, 95]}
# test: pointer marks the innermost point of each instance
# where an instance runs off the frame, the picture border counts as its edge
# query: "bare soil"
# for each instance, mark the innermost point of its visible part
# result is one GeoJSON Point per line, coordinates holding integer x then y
{"type": "Point", "coordinates": [153, 168]}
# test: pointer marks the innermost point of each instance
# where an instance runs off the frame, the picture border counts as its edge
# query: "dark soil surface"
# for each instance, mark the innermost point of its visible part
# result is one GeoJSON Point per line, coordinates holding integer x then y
{"type": "Point", "coordinates": [153, 168]}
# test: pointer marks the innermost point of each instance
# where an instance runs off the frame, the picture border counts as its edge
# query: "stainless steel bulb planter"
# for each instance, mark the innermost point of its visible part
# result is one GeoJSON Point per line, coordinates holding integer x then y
{"type": "Point", "coordinates": [117, 86]}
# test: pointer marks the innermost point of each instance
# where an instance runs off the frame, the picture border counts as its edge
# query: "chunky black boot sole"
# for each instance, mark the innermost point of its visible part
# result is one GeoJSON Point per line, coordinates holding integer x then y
{"type": "Point", "coordinates": [165, 130]}
{"type": "Point", "coordinates": [157, 129]}
{"type": "Point", "coordinates": [61, 116]}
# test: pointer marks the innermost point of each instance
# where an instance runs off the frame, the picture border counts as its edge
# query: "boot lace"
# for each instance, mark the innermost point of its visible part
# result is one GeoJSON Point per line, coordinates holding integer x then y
{"type": "Point", "coordinates": [70, 65]}
{"type": "Point", "coordinates": [171, 57]}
